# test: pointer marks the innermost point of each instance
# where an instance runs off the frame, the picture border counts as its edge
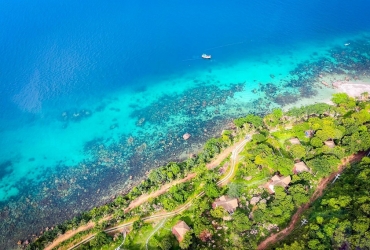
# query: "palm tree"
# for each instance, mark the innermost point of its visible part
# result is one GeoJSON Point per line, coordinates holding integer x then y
{"type": "Point", "coordinates": [365, 95]}
{"type": "Point", "coordinates": [100, 239]}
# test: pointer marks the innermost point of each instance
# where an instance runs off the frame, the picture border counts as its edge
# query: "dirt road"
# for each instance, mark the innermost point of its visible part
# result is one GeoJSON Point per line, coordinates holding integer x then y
{"type": "Point", "coordinates": [143, 198]}
{"type": "Point", "coordinates": [318, 193]}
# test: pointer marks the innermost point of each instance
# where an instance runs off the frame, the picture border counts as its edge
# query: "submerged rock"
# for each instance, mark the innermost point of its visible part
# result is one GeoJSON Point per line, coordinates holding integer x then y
{"type": "Point", "coordinates": [186, 136]}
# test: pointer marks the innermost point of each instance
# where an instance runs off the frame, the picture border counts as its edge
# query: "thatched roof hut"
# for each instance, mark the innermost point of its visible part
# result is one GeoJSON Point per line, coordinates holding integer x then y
{"type": "Point", "coordinates": [180, 229]}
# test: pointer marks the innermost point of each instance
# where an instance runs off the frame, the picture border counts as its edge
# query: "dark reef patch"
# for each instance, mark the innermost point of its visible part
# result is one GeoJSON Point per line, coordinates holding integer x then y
{"type": "Point", "coordinates": [192, 103]}
{"type": "Point", "coordinates": [5, 168]}
{"type": "Point", "coordinates": [69, 190]}
{"type": "Point", "coordinates": [352, 61]}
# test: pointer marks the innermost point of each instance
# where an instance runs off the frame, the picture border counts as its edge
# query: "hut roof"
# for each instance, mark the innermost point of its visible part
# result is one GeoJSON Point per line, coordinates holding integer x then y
{"type": "Point", "coordinates": [330, 144]}
{"type": "Point", "coordinates": [300, 167]}
{"type": "Point", "coordinates": [276, 180]}
{"type": "Point", "coordinates": [180, 229]}
{"type": "Point", "coordinates": [229, 204]}
{"type": "Point", "coordinates": [294, 141]}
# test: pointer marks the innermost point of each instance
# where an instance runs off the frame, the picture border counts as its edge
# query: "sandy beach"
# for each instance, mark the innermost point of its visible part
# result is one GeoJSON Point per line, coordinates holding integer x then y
{"type": "Point", "coordinates": [353, 88]}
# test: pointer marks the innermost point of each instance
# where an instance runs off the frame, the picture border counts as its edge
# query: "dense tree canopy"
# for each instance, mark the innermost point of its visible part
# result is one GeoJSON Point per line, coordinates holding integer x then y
{"type": "Point", "coordinates": [341, 218]}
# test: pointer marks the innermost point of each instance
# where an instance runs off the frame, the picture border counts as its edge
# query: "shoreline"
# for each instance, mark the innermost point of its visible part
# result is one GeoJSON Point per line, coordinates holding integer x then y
{"type": "Point", "coordinates": [347, 86]}
{"type": "Point", "coordinates": [164, 188]}
{"type": "Point", "coordinates": [313, 80]}
{"type": "Point", "coordinates": [353, 88]}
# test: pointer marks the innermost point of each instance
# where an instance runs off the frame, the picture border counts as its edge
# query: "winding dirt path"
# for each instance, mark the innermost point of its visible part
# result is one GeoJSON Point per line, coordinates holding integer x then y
{"type": "Point", "coordinates": [318, 193]}
{"type": "Point", "coordinates": [143, 198]}
{"type": "Point", "coordinates": [235, 152]}
{"type": "Point", "coordinates": [69, 234]}
{"type": "Point", "coordinates": [225, 153]}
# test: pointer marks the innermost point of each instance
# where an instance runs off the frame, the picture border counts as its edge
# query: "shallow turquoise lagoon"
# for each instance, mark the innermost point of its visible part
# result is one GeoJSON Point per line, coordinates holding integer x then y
{"type": "Point", "coordinates": [91, 94]}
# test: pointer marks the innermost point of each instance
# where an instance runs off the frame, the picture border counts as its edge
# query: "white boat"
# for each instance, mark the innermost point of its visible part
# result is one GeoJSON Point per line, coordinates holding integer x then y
{"type": "Point", "coordinates": [205, 56]}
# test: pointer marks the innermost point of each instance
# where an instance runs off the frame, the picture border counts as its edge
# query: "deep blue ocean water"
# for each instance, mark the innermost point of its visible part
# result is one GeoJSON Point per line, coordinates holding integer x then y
{"type": "Point", "coordinates": [72, 72]}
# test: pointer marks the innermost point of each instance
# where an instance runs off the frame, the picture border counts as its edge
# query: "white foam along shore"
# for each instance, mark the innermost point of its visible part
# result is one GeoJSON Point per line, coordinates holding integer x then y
{"type": "Point", "coordinates": [353, 88]}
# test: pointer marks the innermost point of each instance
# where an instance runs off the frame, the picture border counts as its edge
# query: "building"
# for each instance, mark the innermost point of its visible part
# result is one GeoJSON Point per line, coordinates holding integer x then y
{"type": "Point", "coordinates": [277, 180]}
{"type": "Point", "coordinates": [300, 167]}
{"type": "Point", "coordinates": [294, 141]}
{"type": "Point", "coordinates": [330, 144]}
{"type": "Point", "coordinates": [180, 229]}
{"type": "Point", "coordinates": [229, 204]}
{"type": "Point", "coordinates": [309, 133]}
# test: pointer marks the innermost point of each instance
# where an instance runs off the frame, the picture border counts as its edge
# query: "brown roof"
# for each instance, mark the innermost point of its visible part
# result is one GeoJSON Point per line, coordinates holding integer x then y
{"type": "Point", "coordinates": [230, 204]}
{"type": "Point", "coordinates": [330, 144]}
{"type": "Point", "coordinates": [294, 141]}
{"type": "Point", "coordinates": [300, 167]}
{"type": "Point", "coordinates": [279, 181]}
{"type": "Point", "coordinates": [180, 229]}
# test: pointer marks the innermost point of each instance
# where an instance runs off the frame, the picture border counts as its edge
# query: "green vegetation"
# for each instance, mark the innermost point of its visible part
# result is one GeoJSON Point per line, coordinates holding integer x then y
{"type": "Point", "coordinates": [323, 135]}
{"type": "Point", "coordinates": [340, 219]}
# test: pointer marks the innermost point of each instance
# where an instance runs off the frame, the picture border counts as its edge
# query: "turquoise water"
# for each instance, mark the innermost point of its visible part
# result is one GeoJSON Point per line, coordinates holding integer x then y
{"type": "Point", "coordinates": [91, 93]}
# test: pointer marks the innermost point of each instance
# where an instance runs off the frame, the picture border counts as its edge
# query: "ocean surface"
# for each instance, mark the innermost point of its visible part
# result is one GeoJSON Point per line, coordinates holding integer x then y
{"type": "Point", "coordinates": [93, 92]}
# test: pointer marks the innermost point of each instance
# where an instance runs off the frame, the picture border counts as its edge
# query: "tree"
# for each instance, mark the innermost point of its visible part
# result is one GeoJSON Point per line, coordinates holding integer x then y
{"type": "Point", "coordinates": [226, 136]}
{"type": "Point", "coordinates": [174, 168]}
{"type": "Point", "coordinates": [298, 151]}
{"type": "Point", "coordinates": [259, 138]}
{"type": "Point", "coordinates": [201, 223]}
{"type": "Point", "coordinates": [299, 194]}
{"type": "Point", "coordinates": [137, 224]}
{"type": "Point", "coordinates": [294, 246]}
{"type": "Point", "coordinates": [100, 239]}
{"type": "Point", "coordinates": [240, 222]}
{"type": "Point", "coordinates": [166, 243]}
{"type": "Point", "coordinates": [211, 190]}
{"type": "Point", "coordinates": [187, 240]}
{"type": "Point", "coordinates": [365, 95]}
{"type": "Point", "coordinates": [235, 190]}
{"type": "Point", "coordinates": [316, 142]}
{"type": "Point", "coordinates": [201, 205]}
{"type": "Point", "coordinates": [255, 120]}
{"type": "Point", "coordinates": [323, 164]}
{"type": "Point", "coordinates": [274, 143]}
{"type": "Point", "coordinates": [340, 98]}
{"type": "Point", "coordinates": [313, 244]}
{"type": "Point", "coordinates": [277, 113]}
{"type": "Point", "coordinates": [219, 212]}
{"type": "Point", "coordinates": [205, 235]}
{"type": "Point", "coordinates": [338, 218]}
{"type": "Point", "coordinates": [361, 117]}
{"type": "Point", "coordinates": [358, 141]}
{"type": "Point", "coordinates": [281, 164]}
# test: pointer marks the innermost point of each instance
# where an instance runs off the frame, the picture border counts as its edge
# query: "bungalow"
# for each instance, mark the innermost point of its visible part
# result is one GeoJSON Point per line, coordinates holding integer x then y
{"type": "Point", "coordinates": [180, 229]}
{"type": "Point", "coordinates": [294, 141]}
{"type": "Point", "coordinates": [229, 204]}
{"type": "Point", "coordinates": [300, 167]}
{"type": "Point", "coordinates": [309, 133]}
{"type": "Point", "coordinates": [330, 144]}
{"type": "Point", "coordinates": [277, 180]}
